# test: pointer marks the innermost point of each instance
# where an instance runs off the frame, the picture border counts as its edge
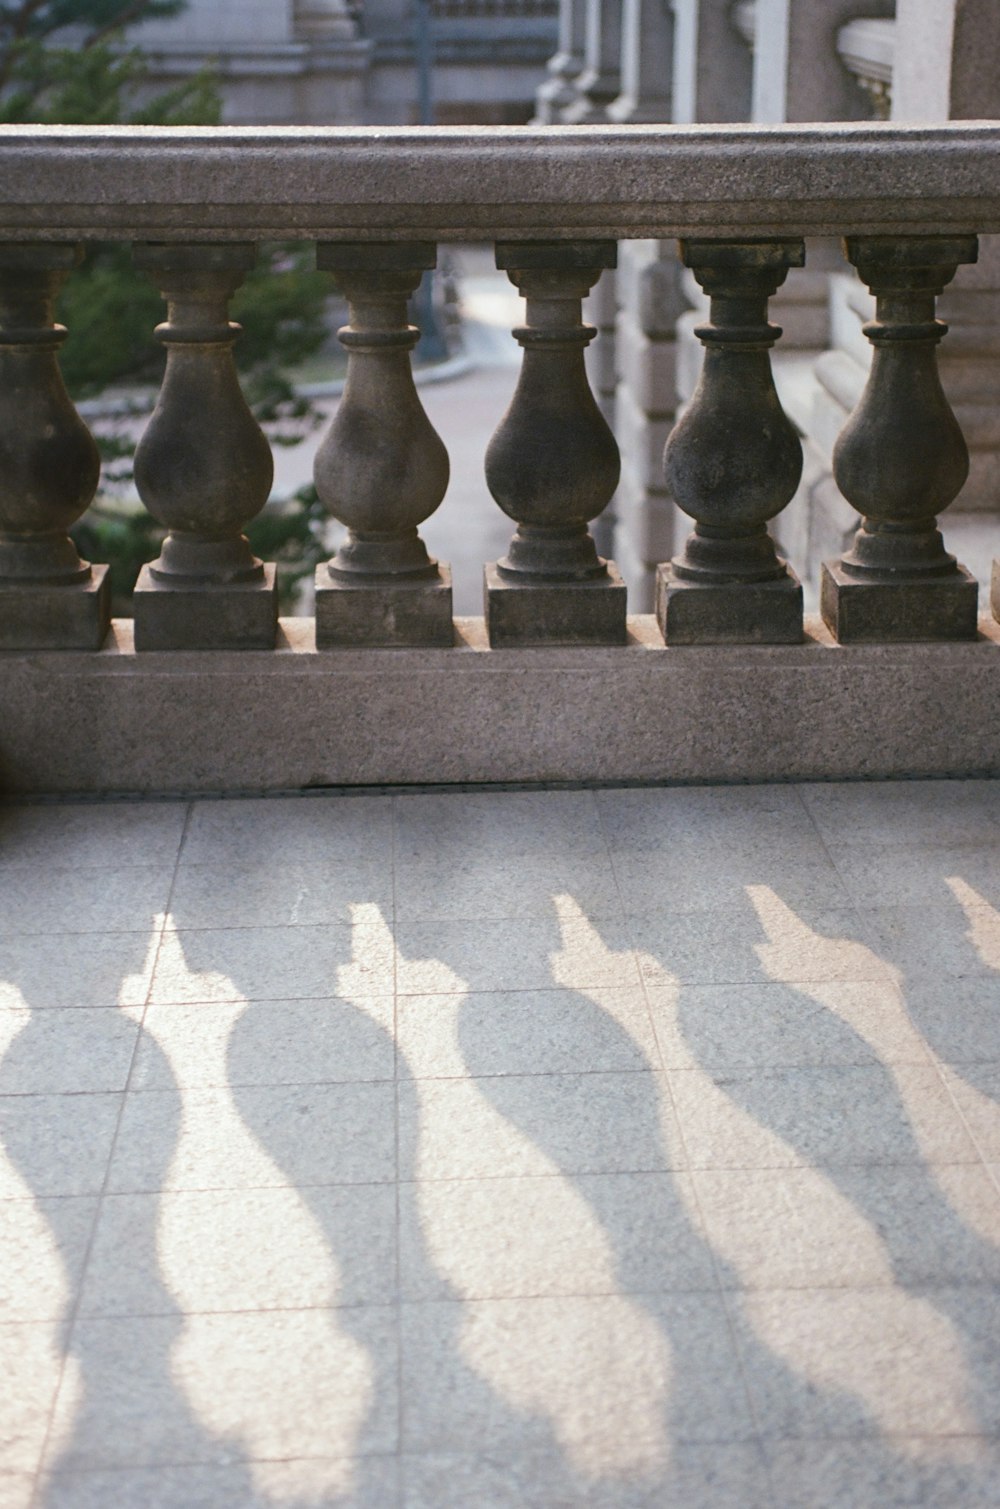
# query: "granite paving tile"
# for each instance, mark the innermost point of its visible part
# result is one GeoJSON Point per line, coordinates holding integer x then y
{"type": "Point", "coordinates": [317, 830]}
{"type": "Point", "coordinates": [77, 1049]}
{"type": "Point", "coordinates": [508, 955]}
{"type": "Point", "coordinates": [273, 1135]}
{"type": "Point", "coordinates": [368, 1483]}
{"type": "Point", "coordinates": [91, 835]}
{"type": "Point", "coordinates": [311, 1041]}
{"type": "Point", "coordinates": [229, 1250]}
{"type": "Point", "coordinates": [268, 963]}
{"type": "Point", "coordinates": [836, 1114]}
{"type": "Point", "coordinates": [55, 1144]}
{"type": "Point", "coordinates": [525, 1032]}
{"type": "Point", "coordinates": [208, 1389]}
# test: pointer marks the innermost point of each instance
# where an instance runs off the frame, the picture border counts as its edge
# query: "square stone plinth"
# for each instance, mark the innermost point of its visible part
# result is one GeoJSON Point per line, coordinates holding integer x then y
{"type": "Point", "coordinates": [232, 616]}
{"type": "Point", "coordinates": [729, 612]}
{"type": "Point", "coordinates": [45, 616]}
{"type": "Point", "coordinates": [383, 615]}
{"type": "Point", "coordinates": [539, 613]}
{"type": "Point", "coordinates": [860, 612]}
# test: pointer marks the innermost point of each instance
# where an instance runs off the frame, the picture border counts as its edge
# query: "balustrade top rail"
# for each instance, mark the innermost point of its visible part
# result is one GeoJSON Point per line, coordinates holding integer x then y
{"type": "Point", "coordinates": [455, 183]}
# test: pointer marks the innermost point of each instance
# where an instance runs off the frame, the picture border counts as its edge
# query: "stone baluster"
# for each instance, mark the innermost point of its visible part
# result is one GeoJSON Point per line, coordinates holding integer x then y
{"type": "Point", "coordinates": [558, 91]}
{"type": "Point", "coordinates": [600, 81]}
{"type": "Point", "coordinates": [203, 467]}
{"type": "Point", "coordinates": [49, 467]}
{"type": "Point", "coordinates": [901, 458]}
{"type": "Point", "coordinates": [712, 65]}
{"type": "Point", "coordinates": [733, 461]}
{"type": "Point", "coordinates": [553, 463]}
{"type": "Point", "coordinates": [646, 62]}
{"type": "Point", "coordinates": [382, 469]}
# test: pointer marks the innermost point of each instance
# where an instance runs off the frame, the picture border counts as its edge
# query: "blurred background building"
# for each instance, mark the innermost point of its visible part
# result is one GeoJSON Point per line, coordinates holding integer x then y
{"type": "Point", "coordinates": [327, 62]}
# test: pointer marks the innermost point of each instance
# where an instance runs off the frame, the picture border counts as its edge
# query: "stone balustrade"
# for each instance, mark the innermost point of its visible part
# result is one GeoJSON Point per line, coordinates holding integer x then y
{"type": "Point", "coordinates": [742, 202]}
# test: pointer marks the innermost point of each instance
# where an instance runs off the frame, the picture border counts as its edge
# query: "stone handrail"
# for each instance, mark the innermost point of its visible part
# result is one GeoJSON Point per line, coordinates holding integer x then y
{"type": "Point", "coordinates": [460, 183]}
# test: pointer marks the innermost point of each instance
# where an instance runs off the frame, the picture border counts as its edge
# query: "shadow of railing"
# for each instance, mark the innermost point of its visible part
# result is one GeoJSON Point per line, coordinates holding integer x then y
{"type": "Point", "coordinates": [565, 1246]}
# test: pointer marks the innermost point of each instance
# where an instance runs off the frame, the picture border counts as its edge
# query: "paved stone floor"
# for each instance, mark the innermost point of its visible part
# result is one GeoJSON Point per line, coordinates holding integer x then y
{"type": "Point", "coordinates": [528, 1150]}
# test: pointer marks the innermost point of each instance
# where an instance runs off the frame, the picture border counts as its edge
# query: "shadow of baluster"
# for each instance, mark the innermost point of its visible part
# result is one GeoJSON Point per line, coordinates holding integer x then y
{"type": "Point", "coordinates": [535, 1218]}
{"type": "Point", "coordinates": [114, 1362]}
{"type": "Point", "coordinates": [779, 1362]}
{"type": "Point", "coordinates": [268, 1356]}
{"type": "Point", "coordinates": [871, 1172]}
{"type": "Point", "coordinates": [539, 1384]}
{"type": "Point", "coordinates": [960, 1017]}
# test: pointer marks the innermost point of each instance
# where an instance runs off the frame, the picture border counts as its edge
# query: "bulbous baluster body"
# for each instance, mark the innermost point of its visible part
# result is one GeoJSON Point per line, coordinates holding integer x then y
{"type": "Point", "coordinates": [553, 464]}
{"type": "Point", "coordinates": [382, 468]}
{"type": "Point", "coordinates": [203, 467]}
{"type": "Point", "coordinates": [49, 467]}
{"type": "Point", "coordinates": [901, 458]}
{"type": "Point", "coordinates": [733, 461]}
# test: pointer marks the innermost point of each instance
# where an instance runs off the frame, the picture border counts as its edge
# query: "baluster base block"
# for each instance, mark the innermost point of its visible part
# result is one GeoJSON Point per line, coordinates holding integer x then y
{"type": "Point", "coordinates": [728, 612]}
{"type": "Point", "coordinates": [881, 612]}
{"type": "Point", "coordinates": [43, 616]}
{"type": "Point", "coordinates": [384, 615]}
{"type": "Point", "coordinates": [539, 613]}
{"type": "Point", "coordinates": [193, 616]}
{"type": "Point", "coordinates": [995, 591]}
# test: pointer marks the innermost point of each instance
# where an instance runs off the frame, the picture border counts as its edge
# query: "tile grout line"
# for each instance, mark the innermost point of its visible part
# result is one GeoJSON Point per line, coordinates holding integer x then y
{"type": "Point", "coordinates": [702, 1235]}
{"type": "Point", "coordinates": [581, 1173]}
{"type": "Point", "coordinates": [400, 1402]}
{"type": "Point", "coordinates": [991, 1170]}
{"type": "Point", "coordinates": [74, 1315]}
{"type": "Point", "coordinates": [919, 1287]}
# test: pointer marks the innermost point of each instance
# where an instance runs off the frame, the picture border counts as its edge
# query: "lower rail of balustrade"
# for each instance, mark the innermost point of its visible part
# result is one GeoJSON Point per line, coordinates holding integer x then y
{"type": "Point", "coordinates": [117, 722]}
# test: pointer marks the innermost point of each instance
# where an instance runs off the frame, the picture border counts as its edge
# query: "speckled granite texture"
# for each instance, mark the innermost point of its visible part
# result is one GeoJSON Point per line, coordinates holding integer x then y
{"type": "Point", "coordinates": [629, 1149]}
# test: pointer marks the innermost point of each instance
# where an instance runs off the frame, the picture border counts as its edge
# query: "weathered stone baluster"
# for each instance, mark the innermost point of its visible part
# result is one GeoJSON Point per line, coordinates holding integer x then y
{"type": "Point", "coordinates": [733, 461]}
{"type": "Point", "coordinates": [203, 467]}
{"type": "Point", "coordinates": [600, 81]}
{"type": "Point", "coordinates": [49, 467]}
{"type": "Point", "coordinates": [559, 89]}
{"type": "Point", "coordinates": [553, 463]}
{"type": "Point", "coordinates": [901, 458]}
{"type": "Point", "coordinates": [382, 469]}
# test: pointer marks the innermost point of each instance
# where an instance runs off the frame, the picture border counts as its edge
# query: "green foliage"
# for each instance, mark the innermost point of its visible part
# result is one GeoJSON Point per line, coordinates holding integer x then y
{"type": "Point", "coordinates": [111, 310]}
{"type": "Point", "coordinates": [87, 81]}
{"type": "Point", "coordinates": [97, 86]}
{"type": "Point", "coordinates": [34, 20]}
{"type": "Point", "coordinates": [292, 534]}
{"type": "Point", "coordinates": [126, 538]}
